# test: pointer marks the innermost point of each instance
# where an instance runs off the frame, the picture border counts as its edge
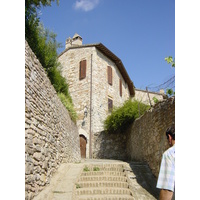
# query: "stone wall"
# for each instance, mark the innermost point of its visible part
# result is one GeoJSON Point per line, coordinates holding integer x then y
{"type": "Point", "coordinates": [146, 139]}
{"type": "Point", "coordinates": [144, 96]}
{"type": "Point", "coordinates": [109, 146]}
{"type": "Point", "coordinates": [50, 135]}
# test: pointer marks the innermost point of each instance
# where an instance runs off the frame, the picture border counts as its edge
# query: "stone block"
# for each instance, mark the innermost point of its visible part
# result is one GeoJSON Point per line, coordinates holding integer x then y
{"type": "Point", "coordinates": [29, 168]}
{"type": "Point", "coordinates": [43, 178]}
{"type": "Point", "coordinates": [29, 179]}
{"type": "Point", "coordinates": [38, 156]}
{"type": "Point", "coordinates": [36, 177]}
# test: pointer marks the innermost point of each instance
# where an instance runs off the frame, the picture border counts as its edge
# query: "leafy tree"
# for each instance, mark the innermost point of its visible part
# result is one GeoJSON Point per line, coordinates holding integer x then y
{"type": "Point", "coordinates": [155, 100]}
{"type": "Point", "coordinates": [170, 92]}
{"type": "Point", "coordinates": [41, 40]}
{"type": "Point", "coordinates": [43, 43]}
{"type": "Point", "coordinates": [122, 116]}
{"type": "Point", "coordinates": [171, 61]}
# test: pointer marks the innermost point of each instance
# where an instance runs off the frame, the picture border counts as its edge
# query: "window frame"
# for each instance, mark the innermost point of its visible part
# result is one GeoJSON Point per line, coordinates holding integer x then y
{"type": "Point", "coordinates": [82, 69]}
{"type": "Point", "coordinates": [120, 87]}
{"type": "Point", "coordinates": [109, 74]}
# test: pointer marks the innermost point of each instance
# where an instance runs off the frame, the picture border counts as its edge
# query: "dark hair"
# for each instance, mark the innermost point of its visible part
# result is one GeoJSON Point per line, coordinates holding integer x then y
{"type": "Point", "coordinates": [171, 131]}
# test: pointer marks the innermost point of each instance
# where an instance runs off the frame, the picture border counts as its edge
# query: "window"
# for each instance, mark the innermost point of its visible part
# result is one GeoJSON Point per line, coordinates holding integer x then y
{"type": "Point", "coordinates": [120, 87]}
{"type": "Point", "coordinates": [82, 70]}
{"type": "Point", "coordinates": [109, 69]}
{"type": "Point", "coordinates": [110, 104]}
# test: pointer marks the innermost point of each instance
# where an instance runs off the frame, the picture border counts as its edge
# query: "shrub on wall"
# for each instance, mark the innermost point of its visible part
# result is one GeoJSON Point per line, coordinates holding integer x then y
{"type": "Point", "coordinates": [122, 116]}
{"type": "Point", "coordinates": [67, 102]}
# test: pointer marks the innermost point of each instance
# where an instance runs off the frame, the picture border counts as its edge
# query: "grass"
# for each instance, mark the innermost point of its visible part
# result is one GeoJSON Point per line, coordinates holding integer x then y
{"type": "Point", "coordinates": [96, 169]}
{"type": "Point", "coordinates": [77, 186]}
{"type": "Point", "coordinates": [86, 169]}
{"type": "Point", "coordinates": [67, 102]}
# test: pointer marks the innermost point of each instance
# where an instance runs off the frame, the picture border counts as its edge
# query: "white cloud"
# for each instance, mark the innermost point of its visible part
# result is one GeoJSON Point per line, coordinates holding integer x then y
{"type": "Point", "coordinates": [86, 5]}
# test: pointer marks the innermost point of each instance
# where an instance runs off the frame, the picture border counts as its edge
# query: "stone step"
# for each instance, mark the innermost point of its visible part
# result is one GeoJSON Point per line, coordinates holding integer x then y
{"type": "Point", "coordinates": [89, 184]}
{"type": "Point", "coordinates": [103, 190]}
{"type": "Point", "coordinates": [103, 173]}
{"type": "Point", "coordinates": [103, 178]}
{"type": "Point", "coordinates": [104, 168]}
{"type": "Point", "coordinates": [107, 165]}
{"type": "Point", "coordinates": [105, 197]}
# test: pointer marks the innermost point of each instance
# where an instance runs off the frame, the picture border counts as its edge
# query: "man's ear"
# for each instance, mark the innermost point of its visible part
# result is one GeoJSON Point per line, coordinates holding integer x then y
{"type": "Point", "coordinates": [170, 137]}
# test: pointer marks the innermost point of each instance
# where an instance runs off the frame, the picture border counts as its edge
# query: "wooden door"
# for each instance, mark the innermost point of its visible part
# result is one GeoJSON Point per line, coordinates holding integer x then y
{"type": "Point", "coordinates": [83, 143]}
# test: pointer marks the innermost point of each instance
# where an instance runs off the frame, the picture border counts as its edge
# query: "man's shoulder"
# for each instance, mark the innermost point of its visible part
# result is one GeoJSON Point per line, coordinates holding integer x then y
{"type": "Point", "coordinates": [170, 151]}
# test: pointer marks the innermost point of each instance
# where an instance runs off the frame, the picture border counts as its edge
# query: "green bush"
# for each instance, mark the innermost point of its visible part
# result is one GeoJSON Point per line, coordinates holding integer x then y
{"type": "Point", "coordinates": [58, 81]}
{"type": "Point", "coordinates": [122, 116]}
{"type": "Point", "coordinates": [67, 102]}
{"type": "Point", "coordinates": [43, 43]}
{"type": "Point", "coordinates": [155, 100]}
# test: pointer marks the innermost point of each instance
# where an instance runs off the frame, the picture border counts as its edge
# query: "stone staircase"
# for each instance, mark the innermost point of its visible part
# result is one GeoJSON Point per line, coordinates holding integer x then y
{"type": "Point", "coordinates": [103, 182]}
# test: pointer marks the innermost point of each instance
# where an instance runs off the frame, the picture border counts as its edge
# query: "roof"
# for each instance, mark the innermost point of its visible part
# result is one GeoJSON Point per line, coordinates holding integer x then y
{"type": "Point", "coordinates": [114, 58]}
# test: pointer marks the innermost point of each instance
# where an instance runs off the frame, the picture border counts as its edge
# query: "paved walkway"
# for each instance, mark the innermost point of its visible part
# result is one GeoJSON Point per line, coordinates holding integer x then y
{"type": "Point", "coordinates": [63, 181]}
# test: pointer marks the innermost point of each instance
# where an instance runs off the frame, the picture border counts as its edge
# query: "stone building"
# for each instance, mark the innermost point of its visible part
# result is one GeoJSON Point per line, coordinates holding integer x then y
{"type": "Point", "coordinates": [147, 97]}
{"type": "Point", "coordinates": [98, 81]}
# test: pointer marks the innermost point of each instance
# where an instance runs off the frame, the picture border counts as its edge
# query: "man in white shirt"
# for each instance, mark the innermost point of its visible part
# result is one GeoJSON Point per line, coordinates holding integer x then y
{"type": "Point", "coordinates": [166, 178]}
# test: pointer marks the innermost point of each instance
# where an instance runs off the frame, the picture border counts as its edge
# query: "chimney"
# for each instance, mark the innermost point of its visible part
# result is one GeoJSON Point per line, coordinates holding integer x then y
{"type": "Point", "coordinates": [68, 43]}
{"type": "Point", "coordinates": [77, 40]}
{"type": "Point", "coordinates": [162, 91]}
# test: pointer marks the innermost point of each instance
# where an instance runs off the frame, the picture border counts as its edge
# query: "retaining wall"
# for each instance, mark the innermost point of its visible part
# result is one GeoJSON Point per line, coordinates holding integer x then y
{"type": "Point", "coordinates": [50, 135]}
{"type": "Point", "coordinates": [146, 139]}
{"type": "Point", "coordinates": [109, 146]}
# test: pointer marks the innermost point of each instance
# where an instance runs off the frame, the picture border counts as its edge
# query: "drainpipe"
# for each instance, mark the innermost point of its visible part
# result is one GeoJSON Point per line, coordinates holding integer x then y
{"type": "Point", "coordinates": [90, 154]}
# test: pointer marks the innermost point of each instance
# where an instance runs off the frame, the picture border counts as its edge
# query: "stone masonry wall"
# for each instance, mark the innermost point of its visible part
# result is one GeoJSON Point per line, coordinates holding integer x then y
{"type": "Point", "coordinates": [109, 146]}
{"type": "Point", "coordinates": [142, 96]}
{"type": "Point", "coordinates": [146, 139]}
{"type": "Point", "coordinates": [50, 135]}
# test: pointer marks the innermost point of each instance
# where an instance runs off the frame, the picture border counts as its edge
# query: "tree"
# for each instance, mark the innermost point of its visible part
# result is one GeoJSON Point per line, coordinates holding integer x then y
{"type": "Point", "coordinates": [43, 43]}
{"type": "Point", "coordinates": [171, 61]}
{"type": "Point", "coordinates": [41, 40]}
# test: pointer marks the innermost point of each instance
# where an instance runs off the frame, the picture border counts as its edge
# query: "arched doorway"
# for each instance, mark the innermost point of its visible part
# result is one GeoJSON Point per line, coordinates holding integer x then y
{"type": "Point", "coordinates": [83, 142]}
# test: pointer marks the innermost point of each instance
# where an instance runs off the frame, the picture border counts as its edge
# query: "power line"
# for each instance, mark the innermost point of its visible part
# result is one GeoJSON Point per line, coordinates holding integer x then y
{"type": "Point", "coordinates": [169, 84]}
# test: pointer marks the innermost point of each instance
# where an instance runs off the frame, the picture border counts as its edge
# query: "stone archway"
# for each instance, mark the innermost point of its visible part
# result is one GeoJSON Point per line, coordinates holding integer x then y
{"type": "Point", "coordinates": [83, 143]}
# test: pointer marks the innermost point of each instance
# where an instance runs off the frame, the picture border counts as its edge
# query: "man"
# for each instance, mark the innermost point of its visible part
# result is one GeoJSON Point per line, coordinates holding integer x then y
{"type": "Point", "coordinates": [166, 178]}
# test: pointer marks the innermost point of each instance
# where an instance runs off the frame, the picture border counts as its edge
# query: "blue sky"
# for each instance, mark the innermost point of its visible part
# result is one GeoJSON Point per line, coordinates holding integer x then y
{"type": "Point", "coordinates": [140, 32]}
